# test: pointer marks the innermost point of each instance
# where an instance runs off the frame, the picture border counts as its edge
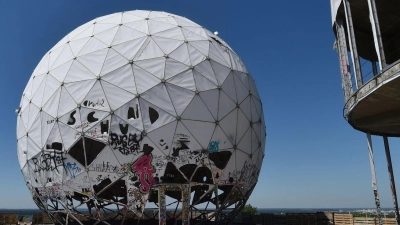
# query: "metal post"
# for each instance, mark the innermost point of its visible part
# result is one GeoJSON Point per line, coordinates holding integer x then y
{"type": "Point", "coordinates": [391, 177]}
{"type": "Point", "coordinates": [353, 45]}
{"type": "Point", "coordinates": [185, 204]}
{"type": "Point", "coordinates": [374, 68]}
{"type": "Point", "coordinates": [373, 16]}
{"type": "Point", "coordinates": [341, 48]}
{"type": "Point", "coordinates": [162, 207]}
{"type": "Point", "coordinates": [374, 182]}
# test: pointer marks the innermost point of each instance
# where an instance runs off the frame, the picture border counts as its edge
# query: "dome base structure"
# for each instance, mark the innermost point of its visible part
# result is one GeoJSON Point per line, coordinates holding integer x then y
{"type": "Point", "coordinates": [142, 117]}
{"type": "Point", "coordinates": [178, 211]}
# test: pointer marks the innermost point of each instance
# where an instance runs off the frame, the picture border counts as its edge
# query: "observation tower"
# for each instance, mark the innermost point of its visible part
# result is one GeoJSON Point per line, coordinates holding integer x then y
{"type": "Point", "coordinates": [368, 44]}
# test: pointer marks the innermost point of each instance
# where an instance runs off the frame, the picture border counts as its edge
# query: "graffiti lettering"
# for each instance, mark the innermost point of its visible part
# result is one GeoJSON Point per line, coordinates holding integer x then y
{"type": "Point", "coordinates": [126, 144]}
{"type": "Point", "coordinates": [83, 125]}
{"type": "Point", "coordinates": [48, 161]}
{"type": "Point", "coordinates": [72, 169]}
{"type": "Point", "coordinates": [123, 128]}
{"type": "Point", "coordinates": [106, 167]}
{"type": "Point", "coordinates": [132, 114]}
{"type": "Point", "coordinates": [72, 119]}
{"type": "Point", "coordinates": [50, 121]}
{"type": "Point", "coordinates": [101, 135]}
{"type": "Point", "coordinates": [104, 127]}
{"type": "Point", "coordinates": [143, 170]}
{"type": "Point", "coordinates": [91, 118]}
{"type": "Point", "coordinates": [100, 102]}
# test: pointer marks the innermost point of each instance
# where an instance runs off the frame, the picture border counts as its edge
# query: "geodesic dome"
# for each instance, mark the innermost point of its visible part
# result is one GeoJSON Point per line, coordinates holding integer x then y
{"type": "Point", "coordinates": [134, 104]}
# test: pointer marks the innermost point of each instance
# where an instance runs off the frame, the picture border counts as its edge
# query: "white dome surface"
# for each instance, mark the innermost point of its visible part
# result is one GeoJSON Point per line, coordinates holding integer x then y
{"type": "Point", "coordinates": [139, 98]}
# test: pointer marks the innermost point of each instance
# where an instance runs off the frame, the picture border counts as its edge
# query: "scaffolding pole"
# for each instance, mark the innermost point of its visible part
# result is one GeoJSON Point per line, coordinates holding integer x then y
{"type": "Point", "coordinates": [374, 68]}
{"type": "Point", "coordinates": [374, 182]}
{"type": "Point", "coordinates": [341, 48]}
{"type": "Point", "coordinates": [353, 46]}
{"type": "Point", "coordinates": [391, 177]}
{"type": "Point", "coordinates": [373, 15]}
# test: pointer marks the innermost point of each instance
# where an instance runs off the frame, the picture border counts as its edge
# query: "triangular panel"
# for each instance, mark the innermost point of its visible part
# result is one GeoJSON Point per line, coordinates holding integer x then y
{"type": "Point", "coordinates": [151, 51]}
{"type": "Point", "coordinates": [116, 96]}
{"type": "Point", "coordinates": [228, 125]}
{"type": "Point", "coordinates": [94, 61]}
{"type": "Point", "coordinates": [144, 80]}
{"type": "Point", "coordinates": [159, 96]}
{"type": "Point", "coordinates": [196, 110]}
{"type": "Point", "coordinates": [153, 116]}
{"type": "Point", "coordinates": [130, 113]}
{"type": "Point", "coordinates": [181, 55]}
{"type": "Point", "coordinates": [201, 131]}
{"type": "Point", "coordinates": [130, 48]}
{"type": "Point", "coordinates": [122, 78]}
{"type": "Point", "coordinates": [96, 98]}
{"type": "Point", "coordinates": [202, 83]}
{"type": "Point", "coordinates": [78, 72]}
{"type": "Point", "coordinates": [180, 97]}
{"type": "Point", "coordinates": [155, 66]}
{"type": "Point", "coordinates": [79, 90]}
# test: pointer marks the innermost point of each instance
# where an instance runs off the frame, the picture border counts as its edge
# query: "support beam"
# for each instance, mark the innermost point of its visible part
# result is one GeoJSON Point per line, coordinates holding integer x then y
{"type": "Point", "coordinates": [185, 204]}
{"type": "Point", "coordinates": [162, 207]}
{"type": "Point", "coordinates": [374, 68]}
{"type": "Point", "coordinates": [341, 48]}
{"type": "Point", "coordinates": [374, 182]}
{"type": "Point", "coordinates": [353, 46]}
{"type": "Point", "coordinates": [373, 16]}
{"type": "Point", "coordinates": [391, 177]}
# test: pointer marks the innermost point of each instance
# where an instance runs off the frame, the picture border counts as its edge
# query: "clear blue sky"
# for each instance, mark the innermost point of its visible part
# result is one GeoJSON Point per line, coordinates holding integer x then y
{"type": "Point", "coordinates": [313, 157]}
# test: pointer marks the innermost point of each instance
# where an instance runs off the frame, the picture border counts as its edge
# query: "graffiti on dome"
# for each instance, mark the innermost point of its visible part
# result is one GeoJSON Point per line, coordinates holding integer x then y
{"type": "Point", "coordinates": [133, 113]}
{"type": "Point", "coordinates": [93, 104]}
{"type": "Point", "coordinates": [48, 161]}
{"type": "Point", "coordinates": [90, 118]}
{"type": "Point", "coordinates": [143, 171]}
{"type": "Point", "coordinates": [180, 143]}
{"type": "Point", "coordinates": [72, 169]}
{"type": "Point", "coordinates": [213, 146]}
{"type": "Point", "coordinates": [136, 201]}
{"type": "Point", "coordinates": [55, 191]}
{"type": "Point", "coordinates": [163, 144]}
{"type": "Point", "coordinates": [106, 167]}
{"type": "Point", "coordinates": [126, 143]}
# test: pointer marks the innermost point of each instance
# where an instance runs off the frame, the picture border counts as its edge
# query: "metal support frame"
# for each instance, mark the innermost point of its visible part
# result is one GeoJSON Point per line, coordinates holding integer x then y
{"type": "Point", "coordinates": [353, 46]}
{"type": "Point", "coordinates": [391, 177]}
{"type": "Point", "coordinates": [374, 182]}
{"type": "Point", "coordinates": [341, 48]}
{"type": "Point", "coordinates": [185, 190]}
{"type": "Point", "coordinates": [162, 207]}
{"type": "Point", "coordinates": [377, 33]}
{"type": "Point", "coordinates": [65, 211]}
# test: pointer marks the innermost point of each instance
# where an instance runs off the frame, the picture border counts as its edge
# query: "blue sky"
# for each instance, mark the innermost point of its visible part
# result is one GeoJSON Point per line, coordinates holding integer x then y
{"type": "Point", "coordinates": [313, 157]}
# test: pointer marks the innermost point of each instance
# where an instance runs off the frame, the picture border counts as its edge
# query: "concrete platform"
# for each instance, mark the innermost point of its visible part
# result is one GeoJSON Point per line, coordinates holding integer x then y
{"type": "Point", "coordinates": [375, 107]}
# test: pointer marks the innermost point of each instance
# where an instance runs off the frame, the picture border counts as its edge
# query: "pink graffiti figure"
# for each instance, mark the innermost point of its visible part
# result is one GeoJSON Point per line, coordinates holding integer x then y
{"type": "Point", "coordinates": [143, 170]}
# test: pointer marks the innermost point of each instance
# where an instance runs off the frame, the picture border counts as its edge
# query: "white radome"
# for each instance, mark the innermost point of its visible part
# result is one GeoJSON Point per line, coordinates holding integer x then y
{"type": "Point", "coordinates": [140, 99]}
